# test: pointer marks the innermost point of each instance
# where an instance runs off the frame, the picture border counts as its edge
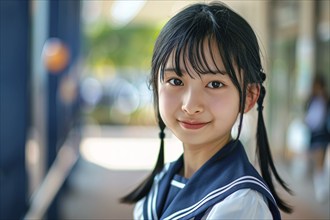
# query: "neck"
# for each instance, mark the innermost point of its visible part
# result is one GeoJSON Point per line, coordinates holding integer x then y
{"type": "Point", "coordinates": [195, 156]}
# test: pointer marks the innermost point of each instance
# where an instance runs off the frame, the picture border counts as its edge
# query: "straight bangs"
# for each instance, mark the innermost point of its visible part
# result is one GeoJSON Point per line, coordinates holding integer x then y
{"type": "Point", "coordinates": [189, 56]}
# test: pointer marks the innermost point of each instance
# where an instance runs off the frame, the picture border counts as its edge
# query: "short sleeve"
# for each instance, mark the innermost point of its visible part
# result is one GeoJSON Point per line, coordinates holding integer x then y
{"type": "Point", "coordinates": [243, 204]}
{"type": "Point", "coordinates": [138, 210]}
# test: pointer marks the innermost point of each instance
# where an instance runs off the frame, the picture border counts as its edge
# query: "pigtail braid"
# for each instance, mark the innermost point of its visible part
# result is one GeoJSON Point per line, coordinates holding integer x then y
{"type": "Point", "coordinates": [265, 159]}
{"type": "Point", "coordinates": [160, 161]}
{"type": "Point", "coordinates": [144, 188]}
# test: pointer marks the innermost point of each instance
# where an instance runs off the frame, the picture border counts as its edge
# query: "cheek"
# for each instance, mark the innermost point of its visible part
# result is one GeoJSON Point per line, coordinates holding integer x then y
{"type": "Point", "coordinates": [167, 102]}
{"type": "Point", "coordinates": [225, 107]}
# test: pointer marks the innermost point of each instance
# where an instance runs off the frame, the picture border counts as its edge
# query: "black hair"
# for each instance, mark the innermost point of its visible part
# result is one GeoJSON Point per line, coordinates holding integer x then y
{"type": "Point", "coordinates": [184, 36]}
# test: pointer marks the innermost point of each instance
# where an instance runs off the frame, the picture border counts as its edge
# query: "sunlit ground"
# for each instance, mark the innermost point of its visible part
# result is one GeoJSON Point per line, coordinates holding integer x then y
{"type": "Point", "coordinates": [128, 153]}
{"type": "Point", "coordinates": [132, 148]}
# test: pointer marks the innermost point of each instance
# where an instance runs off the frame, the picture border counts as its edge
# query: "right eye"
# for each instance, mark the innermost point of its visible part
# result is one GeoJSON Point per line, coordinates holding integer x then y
{"type": "Point", "coordinates": [175, 82]}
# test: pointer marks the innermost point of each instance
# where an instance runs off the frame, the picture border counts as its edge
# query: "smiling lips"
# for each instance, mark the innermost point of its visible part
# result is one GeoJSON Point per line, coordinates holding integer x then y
{"type": "Point", "coordinates": [192, 125]}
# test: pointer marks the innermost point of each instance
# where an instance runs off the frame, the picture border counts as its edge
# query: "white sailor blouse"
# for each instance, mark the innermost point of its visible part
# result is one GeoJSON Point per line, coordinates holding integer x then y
{"type": "Point", "coordinates": [226, 187]}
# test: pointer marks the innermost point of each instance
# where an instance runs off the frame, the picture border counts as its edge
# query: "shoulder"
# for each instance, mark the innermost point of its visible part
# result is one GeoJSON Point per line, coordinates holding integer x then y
{"type": "Point", "coordinates": [242, 204]}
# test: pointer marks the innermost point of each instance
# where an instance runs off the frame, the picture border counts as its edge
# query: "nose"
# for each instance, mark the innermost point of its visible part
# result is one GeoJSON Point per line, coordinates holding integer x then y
{"type": "Point", "coordinates": [192, 102]}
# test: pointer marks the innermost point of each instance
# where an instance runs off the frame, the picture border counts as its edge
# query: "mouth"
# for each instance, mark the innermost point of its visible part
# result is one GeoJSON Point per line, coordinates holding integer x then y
{"type": "Point", "coordinates": [193, 125]}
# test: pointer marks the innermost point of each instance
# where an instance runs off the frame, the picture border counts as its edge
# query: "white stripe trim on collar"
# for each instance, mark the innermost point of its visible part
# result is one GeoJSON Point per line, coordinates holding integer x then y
{"type": "Point", "coordinates": [245, 179]}
{"type": "Point", "coordinates": [152, 198]}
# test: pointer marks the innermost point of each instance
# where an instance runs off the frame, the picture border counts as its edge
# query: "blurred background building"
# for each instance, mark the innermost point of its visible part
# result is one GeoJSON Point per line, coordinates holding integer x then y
{"type": "Point", "coordinates": [77, 122]}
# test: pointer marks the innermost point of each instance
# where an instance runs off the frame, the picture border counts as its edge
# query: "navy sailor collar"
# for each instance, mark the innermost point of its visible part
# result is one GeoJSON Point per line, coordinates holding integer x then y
{"type": "Point", "coordinates": [226, 172]}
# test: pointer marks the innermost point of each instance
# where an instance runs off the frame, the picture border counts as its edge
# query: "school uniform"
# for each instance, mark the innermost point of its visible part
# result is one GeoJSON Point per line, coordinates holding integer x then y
{"type": "Point", "coordinates": [225, 187]}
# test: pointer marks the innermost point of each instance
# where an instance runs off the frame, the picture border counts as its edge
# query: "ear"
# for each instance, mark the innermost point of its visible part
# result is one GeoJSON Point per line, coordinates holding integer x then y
{"type": "Point", "coordinates": [252, 95]}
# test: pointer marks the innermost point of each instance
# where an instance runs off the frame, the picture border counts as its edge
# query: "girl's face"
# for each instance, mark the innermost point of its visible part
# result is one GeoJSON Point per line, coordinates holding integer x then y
{"type": "Point", "coordinates": [200, 110]}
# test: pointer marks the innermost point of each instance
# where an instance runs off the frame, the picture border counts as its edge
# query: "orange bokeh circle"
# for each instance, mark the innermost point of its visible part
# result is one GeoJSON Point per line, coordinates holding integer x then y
{"type": "Point", "coordinates": [56, 55]}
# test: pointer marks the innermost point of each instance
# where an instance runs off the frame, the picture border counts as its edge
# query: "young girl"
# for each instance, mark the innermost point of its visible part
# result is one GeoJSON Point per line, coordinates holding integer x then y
{"type": "Point", "coordinates": [206, 73]}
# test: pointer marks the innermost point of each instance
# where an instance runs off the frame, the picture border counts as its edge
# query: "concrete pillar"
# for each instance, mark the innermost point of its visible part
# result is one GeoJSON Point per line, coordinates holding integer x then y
{"type": "Point", "coordinates": [305, 55]}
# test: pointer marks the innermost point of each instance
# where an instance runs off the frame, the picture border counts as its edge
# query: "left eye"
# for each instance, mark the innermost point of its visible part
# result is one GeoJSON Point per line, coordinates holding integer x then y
{"type": "Point", "coordinates": [215, 84]}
